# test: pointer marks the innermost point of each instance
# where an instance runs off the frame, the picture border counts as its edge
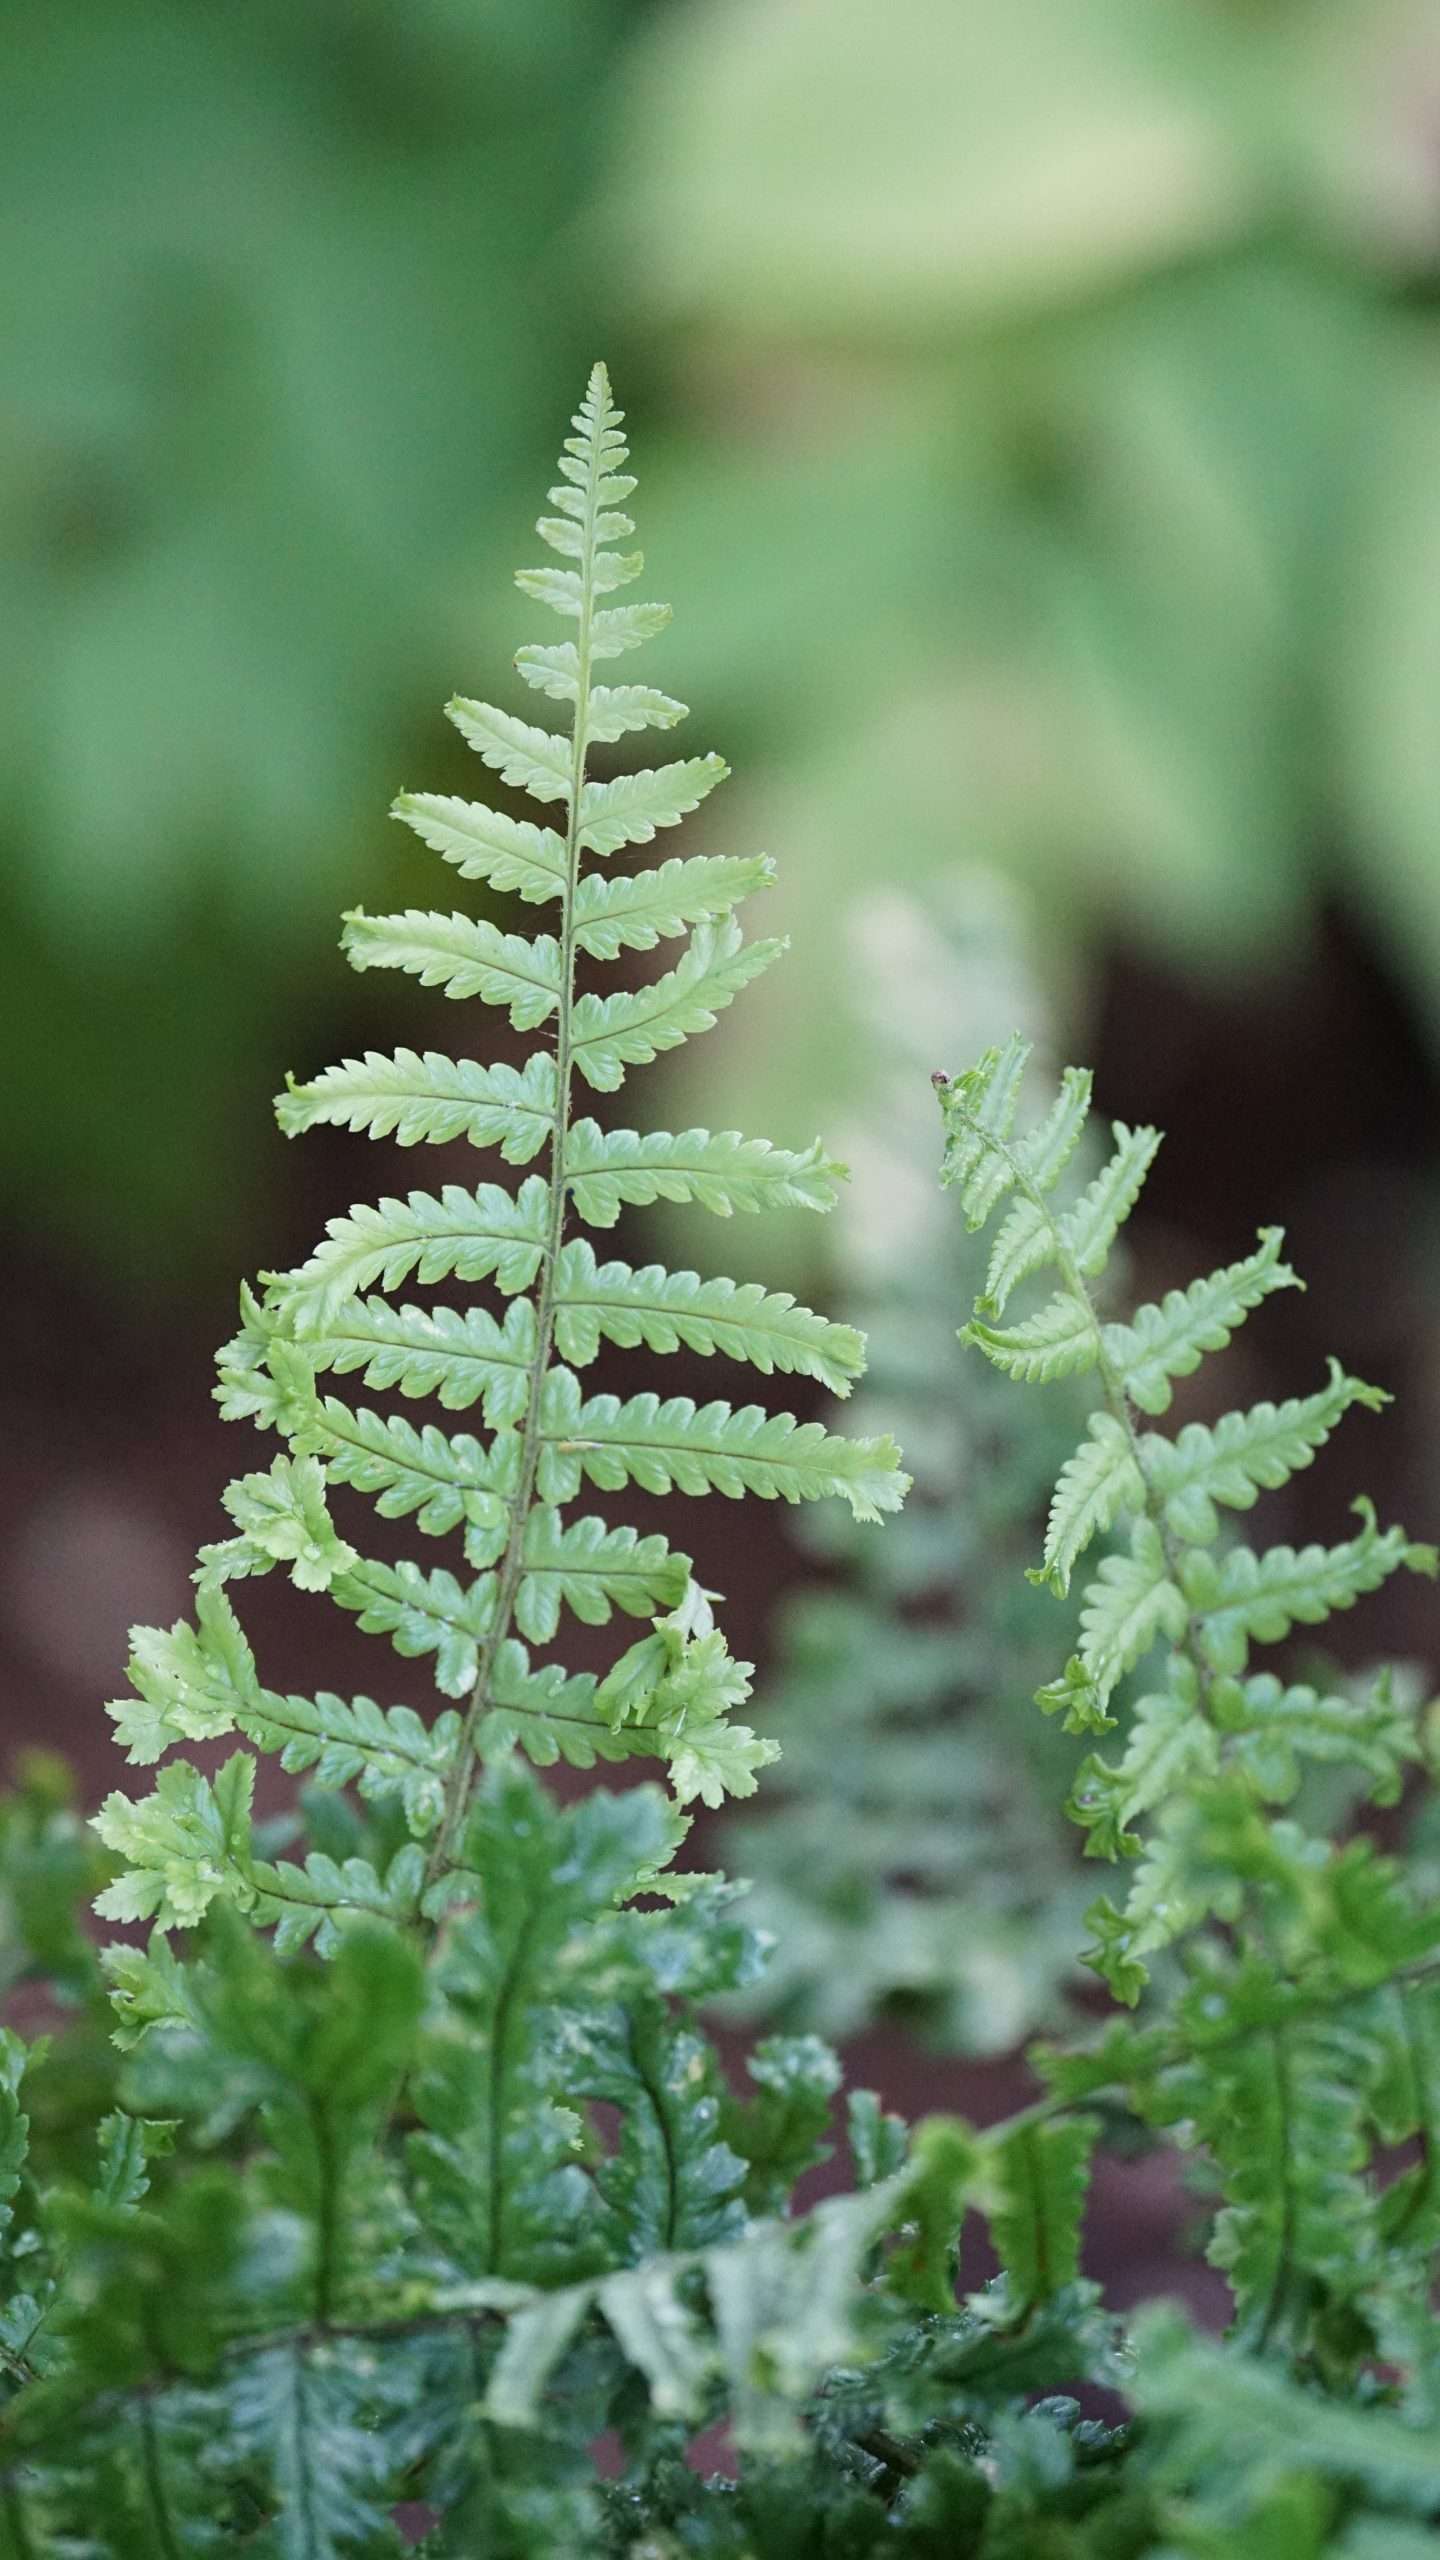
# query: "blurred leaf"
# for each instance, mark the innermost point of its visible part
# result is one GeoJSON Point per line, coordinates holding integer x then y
{"type": "Point", "coordinates": [277, 359]}
{"type": "Point", "coordinates": [967, 161]}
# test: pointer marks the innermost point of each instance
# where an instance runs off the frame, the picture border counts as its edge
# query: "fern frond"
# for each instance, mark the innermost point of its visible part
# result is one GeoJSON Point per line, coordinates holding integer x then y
{"type": "Point", "coordinates": [384, 1751]}
{"type": "Point", "coordinates": [1059, 1342]}
{"type": "Point", "coordinates": [1100, 1481]}
{"type": "Point", "coordinates": [631, 1028]}
{"type": "Point", "coordinates": [630, 809]}
{"type": "Point", "coordinates": [315, 1903]}
{"type": "Point", "coordinates": [423, 1101]}
{"type": "Point", "coordinates": [633, 911]}
{"type": "Point", "coordinates": [463, 955]}
{"type": "Point", "coordinates": [619, 628]}
{"type": "Point", "coordinates": [1281, 2106]}
{"type": "Point", "coordinates": [615, 709]}
{"type": "Point", "coordinates": [673, 1443]}
{"type": "Point", "coordinates": [484, 844]}
{"type": "Point", "coordinates": [445, 1481]}
{"type": "Point", "coordinates": [482, 1234]}
{"type": "Point", "coordinates": [424, 1613]}
{"type": "Point", "coordinates": [460, 1355]}
{"type": "Point", "coordinates": [566, 591]}
{"type": "Point", "coordinates": [498, 1494]}
{"type": "Point", "coordinates": [1277, 1726]}
{"type": "Point", "coordinates": [283, 1518]}
{"type": "Point", "coordinates": [1044, 1153]}
{"type": "Point", "coordinates": [1170, 1741]}
{"type": "Point", "coordinates": [661, 1309]}
{"type": "Point", "coordinates": [1212, 2401]}
{"type": "Point", "coordinates": [497, 2180]}
{"type": "Point", "coordinates": [300, 2417]}
{"type": "Point", "coordinates": [1037, 2181]}
{"type": "Point", "coordinates": [1170, 1340]}
{"type": "Point", "coordinates": [1243, 1454]}
{"type": "Point", "coordinates": [184, 1845]}
{"type": "Point", "coordinates": [1026, 1242]}
{"type": "Point", "coordinates": [1244, 1597]}
{"type": "Point", "coordinates": [610, 1169]}
{"type": "Point", "coordinates": [592, 1570]}
{"type": "Point", "coordinates": [190, 1684]}
{"type": "Point", "coordinates": [1131, 1602]}
{"type": "Point", "coordinates": [1091, 1227]}
{"type": "Point", "coordinates": [198, 1684]}
{"type": "Point", "coordinates": [529, 759]}
{"type": "Point", "coordinates": [551, 1714]}
{"type": "Point", "coordinates": [1210, 1749]}
{"type": "Point", "coordinates": [1028, 1239]}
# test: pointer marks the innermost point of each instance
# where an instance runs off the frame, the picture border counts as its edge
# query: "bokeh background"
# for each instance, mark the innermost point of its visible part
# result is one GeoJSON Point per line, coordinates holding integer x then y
{"type": "Point", "coordinates": [1038, 407]}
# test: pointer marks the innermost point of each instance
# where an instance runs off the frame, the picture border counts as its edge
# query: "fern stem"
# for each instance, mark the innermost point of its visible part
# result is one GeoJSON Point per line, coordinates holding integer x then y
{"type": "Point", "coordinates": [302, 2431]}
{"type": "Point", "coordinates": [495, 2096]}
{"type": "Point", "coordinates": [1268, 2320]}
{"type": "Point", "coordinates": [650, 2083]}
{"type": "Point", "coordinates": [1428, 2130]}
{"type": "Point", "coordinates": [155, 2490]}
{"type": "Point", "coordinates": [17, 2522]}
{"type": "Point", "coordinates": [327, 2226]}
{"type": "Point", "coordinates": [458, 1790]}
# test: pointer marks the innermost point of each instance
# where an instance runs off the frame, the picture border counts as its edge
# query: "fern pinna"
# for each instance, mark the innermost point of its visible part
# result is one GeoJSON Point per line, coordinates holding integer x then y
{"type": "Point", "coordinates": [508, 1496]}
{"type": "Point", "coordinates": [1303, 2035]}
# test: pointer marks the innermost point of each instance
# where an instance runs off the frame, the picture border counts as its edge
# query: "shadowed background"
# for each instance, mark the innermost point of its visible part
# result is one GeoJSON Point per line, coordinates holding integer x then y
{"type": "Point", "coordinates": [1037, 408]}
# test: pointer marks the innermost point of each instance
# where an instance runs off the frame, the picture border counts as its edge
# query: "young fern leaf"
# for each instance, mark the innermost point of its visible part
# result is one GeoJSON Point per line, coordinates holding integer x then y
{"type": "Point", "coordinates": [1305, 2009]}
{"type": "Point", "coordinates": [504, 1496]}
{"type": "Point", "coordinates": [1272, 2060]}
{"type": "Point", "coordinates": [1208, 1726]}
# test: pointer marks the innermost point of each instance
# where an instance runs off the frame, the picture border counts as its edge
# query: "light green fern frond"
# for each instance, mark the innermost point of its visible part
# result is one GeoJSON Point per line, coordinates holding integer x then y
{"type": "Point", "coordinates": [1173, 1581]}
{"type": "Point", "coordinates": [523, 1556]}
{"type": "Point", "coordinates": [1297, 2050]}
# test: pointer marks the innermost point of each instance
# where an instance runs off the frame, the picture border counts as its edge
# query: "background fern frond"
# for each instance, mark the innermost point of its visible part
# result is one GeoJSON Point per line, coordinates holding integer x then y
{"type": "Point", "coordinates": [906, 1856]}
{"type": "Point", "coordinates": [1265, 2060]}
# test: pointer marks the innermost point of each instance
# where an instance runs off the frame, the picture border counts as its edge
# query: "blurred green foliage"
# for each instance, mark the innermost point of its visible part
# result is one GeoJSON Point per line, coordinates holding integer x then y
{"type": "Point", "coordinates": [287, 298]}
{"type": "Point", "coordinates": [1062, 376]}
{"type": "Point", "coordinates": [1083, 358]}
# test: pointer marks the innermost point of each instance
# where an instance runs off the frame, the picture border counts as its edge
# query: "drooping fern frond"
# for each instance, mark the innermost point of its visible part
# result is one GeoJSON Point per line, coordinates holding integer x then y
{"type": "Point", "coordinates": [504, 1488]}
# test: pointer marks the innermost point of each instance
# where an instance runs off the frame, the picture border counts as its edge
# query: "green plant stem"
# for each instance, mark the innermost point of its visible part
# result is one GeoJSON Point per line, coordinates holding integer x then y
{"type": "Point", "coordinates": [458, 1789]}
{"type": "Point", "coordinates": [155, 2482]}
